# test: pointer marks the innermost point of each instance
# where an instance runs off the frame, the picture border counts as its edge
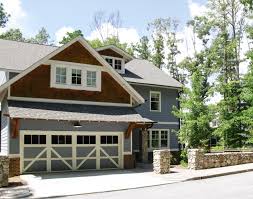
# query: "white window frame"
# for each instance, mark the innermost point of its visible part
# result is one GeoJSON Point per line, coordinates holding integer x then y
{"type": "Point", "coordinates": [160, 101]}
{"type": "Point", "coordinates": [150, 148]}
{"type": "Point", "coordinates": [84, 68]}
{"type": "Point", "coordinates": [122, 71]}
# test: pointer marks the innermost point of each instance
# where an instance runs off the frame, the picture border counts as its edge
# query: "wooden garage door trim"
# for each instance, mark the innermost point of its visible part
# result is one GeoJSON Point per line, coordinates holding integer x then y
{"type": "Point", "coordinates": [98, 147]}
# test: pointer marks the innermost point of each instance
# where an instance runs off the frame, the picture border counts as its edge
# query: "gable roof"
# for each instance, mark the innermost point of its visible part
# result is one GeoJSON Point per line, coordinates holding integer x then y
{"type": "Point", "coordinates": [144, 72]}
{"type": "Point", "coordinates": [117, 50]}
{"type": "Point", "coordinates": [25, 54]}
{"type": "Point", "coordinates": [137, 70]}
{"type": "Point", "coordinates": [137, 97]}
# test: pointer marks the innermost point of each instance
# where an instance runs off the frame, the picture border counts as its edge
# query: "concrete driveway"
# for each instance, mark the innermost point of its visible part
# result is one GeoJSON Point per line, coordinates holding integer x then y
{"type": "Point", "coordinates": [71, 183]}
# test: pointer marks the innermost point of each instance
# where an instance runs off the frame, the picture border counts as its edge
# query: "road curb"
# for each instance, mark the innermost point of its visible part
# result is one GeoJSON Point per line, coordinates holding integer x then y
{"type": "Point", "coordinates": [218, 175]}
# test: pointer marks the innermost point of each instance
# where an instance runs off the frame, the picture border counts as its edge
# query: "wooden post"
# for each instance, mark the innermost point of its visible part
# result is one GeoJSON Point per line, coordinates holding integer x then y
{"type": "Point", "coordinates": [144, 148]}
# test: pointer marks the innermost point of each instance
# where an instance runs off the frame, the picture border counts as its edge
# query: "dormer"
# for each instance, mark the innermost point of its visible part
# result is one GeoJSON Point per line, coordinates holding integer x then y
{"type": "Point", "coordinates": [115, 56]}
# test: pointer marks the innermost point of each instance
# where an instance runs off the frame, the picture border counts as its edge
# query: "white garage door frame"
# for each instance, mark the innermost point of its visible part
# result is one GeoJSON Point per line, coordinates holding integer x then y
{"type": "Point", "coordinates": [48, 148]}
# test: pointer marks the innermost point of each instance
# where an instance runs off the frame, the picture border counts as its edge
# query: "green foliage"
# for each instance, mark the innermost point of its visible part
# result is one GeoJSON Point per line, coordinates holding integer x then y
{"type": "Point", "coordinates": [142, 48]}
{"type": "Point", "coordinates": [70, 36]}
{"type": "Point", "coordinates": [41, 38]}
{"type": "Point", "coordinates": [13, 34]}
{"type": "Point", "coordinates": [3, 16]}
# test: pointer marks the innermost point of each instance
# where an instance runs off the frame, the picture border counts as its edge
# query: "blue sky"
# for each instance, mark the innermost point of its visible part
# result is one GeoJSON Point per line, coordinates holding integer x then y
{"type": "Point", "coordinates": [30, 15]}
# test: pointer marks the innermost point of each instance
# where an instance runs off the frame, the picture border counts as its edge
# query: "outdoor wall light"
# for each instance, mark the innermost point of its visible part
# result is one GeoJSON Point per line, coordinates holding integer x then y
{"type": "Point", "coordinates": [77, 124]}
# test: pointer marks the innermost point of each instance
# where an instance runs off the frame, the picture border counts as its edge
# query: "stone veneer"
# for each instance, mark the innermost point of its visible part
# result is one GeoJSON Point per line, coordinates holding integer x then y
{"type": "Point", "coordinates": [4, 171]}
{"type": "Point", "coordinates": [14, 166]}
{"type": "Point", "coordinates": [161, 161]}
{"type": "Point", "coordinates": [197, 159]}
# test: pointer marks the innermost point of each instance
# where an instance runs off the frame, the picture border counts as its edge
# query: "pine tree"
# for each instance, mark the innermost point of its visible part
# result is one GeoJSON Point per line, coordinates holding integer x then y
{"type": "Point", "coordinates": [142, 48]}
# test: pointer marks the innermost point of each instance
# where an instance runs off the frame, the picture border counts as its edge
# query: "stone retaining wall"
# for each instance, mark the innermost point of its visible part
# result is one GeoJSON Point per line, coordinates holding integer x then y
{"type": "Point", "coordinates": [161, 161]}
{"type": "Point", "coordinates": [197, 159]}
{"type": "Point", "coordinates": [4, 171]}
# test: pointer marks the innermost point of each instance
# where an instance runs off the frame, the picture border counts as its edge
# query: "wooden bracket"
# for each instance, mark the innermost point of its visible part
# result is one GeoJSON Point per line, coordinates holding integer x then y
{"type": "Point", "coordinates": [15, 127]}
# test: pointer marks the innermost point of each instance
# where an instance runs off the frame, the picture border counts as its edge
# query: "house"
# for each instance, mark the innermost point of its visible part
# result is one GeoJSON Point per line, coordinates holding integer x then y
{"type": "Point", "coordinates": [78, 108]}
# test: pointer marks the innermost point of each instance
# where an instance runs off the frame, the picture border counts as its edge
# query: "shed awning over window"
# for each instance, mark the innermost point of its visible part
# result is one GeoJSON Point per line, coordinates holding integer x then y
{"type": "Point", "coordinates": [73, 112]}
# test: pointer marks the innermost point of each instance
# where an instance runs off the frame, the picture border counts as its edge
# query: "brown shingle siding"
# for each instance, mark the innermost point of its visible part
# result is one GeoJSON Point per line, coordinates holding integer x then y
{"type": "Point", "coordinates": [36, 84]}
{"type": "Point", "coordinates": [109, 52]}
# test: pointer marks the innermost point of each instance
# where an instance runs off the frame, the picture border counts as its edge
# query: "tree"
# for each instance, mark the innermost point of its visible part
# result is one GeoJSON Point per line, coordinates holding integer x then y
{"type": "Point", "coordinates": [13, 34]}
{"type": "Point", "coordinates": [142, 48]}
{"type": "Point", "coordinates": [3, 16]}
{"type": "Point", "coordinates": [70, 36]}
{"type": "Point", "coordinates": [229, 23]}
{"type": "Point", "coordinates": [157, 29]}
{"type": "Point", "coordinates": [107, 26]}
{"type": "Point", "coordinates": [41, 38]}
{"type": "Point", "coordinates": [194, 113]}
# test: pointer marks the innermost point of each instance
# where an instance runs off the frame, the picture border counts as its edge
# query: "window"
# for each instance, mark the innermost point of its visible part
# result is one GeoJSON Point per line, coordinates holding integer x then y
{"type": "Point", "coordinates": [76, 77]}
{"type": "Point", "coordinates": [91, 78]}
{"type": "Point", "coordinates": [155, 101]}
{"type": "Point", "coordinates": [109, 139]}
{"type": "Point", "coordinates": [158, 139]}
{"type": "Point", "coordinates": [164, 139]}
{"type": "Point", "coordinates": [117, 64]}
{"type": "Point", "coordinates": [61, 75]}
{"type": "Point", "coordinates": [35, 139]}
{"type": "Point", "coordinates": [61, 139]}
{"type": "Point", "coordinates": [110, 61]}
{"type": "Point", "coordinates": [155, 139]}
{"type": "Point", "coordinates": [86, 139]}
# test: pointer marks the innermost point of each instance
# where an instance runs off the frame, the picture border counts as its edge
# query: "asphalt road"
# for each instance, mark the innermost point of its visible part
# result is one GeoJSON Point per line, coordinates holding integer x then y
{"type": "Point", "coordinates": [238, 186]}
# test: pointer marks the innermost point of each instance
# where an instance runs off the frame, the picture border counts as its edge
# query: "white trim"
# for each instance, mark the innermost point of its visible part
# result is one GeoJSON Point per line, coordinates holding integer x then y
{"type": "Point", "coordinates": [167, 122]}
{"type": "Point", "coordinates": [14, 155]}
{"type": "Point", "coordinates": [154, 85]}
{"type": "Point", "coordinates": [28, 99]}
{"type": "Point", "coordinates": [122, 71]}
{"type": "Point", "coordinates": [159, 139]}
{"type": "Point", "coordinates": [69, 85]}
{"type": "Point", "coordinates": [51, 148]}
{"type": "Point", "coordinates": [139, 99]}
{"type": "Point", "coordinates": [117, 50]}
{"type": "Point", "coordinates": [131, 145]}
{"type": "Point", "coordinates": [160, 100]}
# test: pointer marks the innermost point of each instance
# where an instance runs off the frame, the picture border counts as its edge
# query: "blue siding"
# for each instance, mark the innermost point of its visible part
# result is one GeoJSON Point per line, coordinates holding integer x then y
{"type": "Point", "coordinates": [5, 124]}
{"type": "Point", "coordinates": [168, 100]}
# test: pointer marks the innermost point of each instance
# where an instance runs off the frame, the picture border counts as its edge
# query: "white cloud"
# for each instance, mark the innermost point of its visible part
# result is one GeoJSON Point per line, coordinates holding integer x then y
{"type": "Point", "coordinates": [61, 32]}
{"type": "Point", "coordinates": [196, 9]}
{"type": "Point", "coordinates": [126, 35]}
{"type": "Point", "coordinates": [14, 8]}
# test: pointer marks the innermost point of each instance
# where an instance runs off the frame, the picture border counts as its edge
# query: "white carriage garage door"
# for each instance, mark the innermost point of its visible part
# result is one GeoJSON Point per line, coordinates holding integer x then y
{"type": "Point", "coordinates": [42, 151]}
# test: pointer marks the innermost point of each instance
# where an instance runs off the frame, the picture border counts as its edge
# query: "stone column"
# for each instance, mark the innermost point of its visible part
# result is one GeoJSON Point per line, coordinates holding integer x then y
{"type": "Point", "coordinates": [4, 171]}
{"type": "Point", "coordinates": [161, 161]}
{"type": "Point", "coordinates": [144, 146]}
{"type": "Point", "coordinates": [195, 159]}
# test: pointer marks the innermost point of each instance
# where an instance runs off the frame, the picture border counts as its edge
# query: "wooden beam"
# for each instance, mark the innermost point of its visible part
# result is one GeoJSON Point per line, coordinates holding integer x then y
{"type": "Point", "coordinates": [15, 127]}
{"type": "Point", "coordinates": [133, 125]}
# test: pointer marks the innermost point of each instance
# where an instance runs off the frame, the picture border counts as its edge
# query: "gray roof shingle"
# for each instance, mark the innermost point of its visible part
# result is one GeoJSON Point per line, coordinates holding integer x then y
{"type": "Point", "coordinates": [16, 55]}
{"type": "Point", "coordinates": [73, 112]}
{"type": "Point", "coordinates": [20, 55]}
{"type": "Point", "coordinates": [144, 72]}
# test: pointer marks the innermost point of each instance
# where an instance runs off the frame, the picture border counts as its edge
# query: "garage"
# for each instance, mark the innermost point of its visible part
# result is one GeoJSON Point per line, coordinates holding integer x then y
{"type": "Point", "coordinates": [49, 151]}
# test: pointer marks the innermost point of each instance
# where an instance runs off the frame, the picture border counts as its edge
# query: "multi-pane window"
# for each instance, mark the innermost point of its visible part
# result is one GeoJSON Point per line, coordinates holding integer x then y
{"type": "Point", "coordinates": [61, 75]}
{"type": "Point", "coordinates": [158, 139]}
{"type": "Point", "coordinates": [164, 139]}
{"type": "Point", "coordinates": [86, 139]}
{"type": "Point", "coordinates": [91, 78]}
{"type": "Point", "coordinates": [110, 61]}
{"type": "Point", "coordinates": [35, 139]}
{"type": "Point", "coordinates": [108, 139]}
{"type": "Point", "coordinates": [155, 101]}
{"type": "Point", "coordinates": [61, 139]}
{"type": "Point", "coordinates": [117, 64]}
{"type": "Point", "coordinates": [155, 139]}
{"type": "Point", "coordinates": [76, 77]}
